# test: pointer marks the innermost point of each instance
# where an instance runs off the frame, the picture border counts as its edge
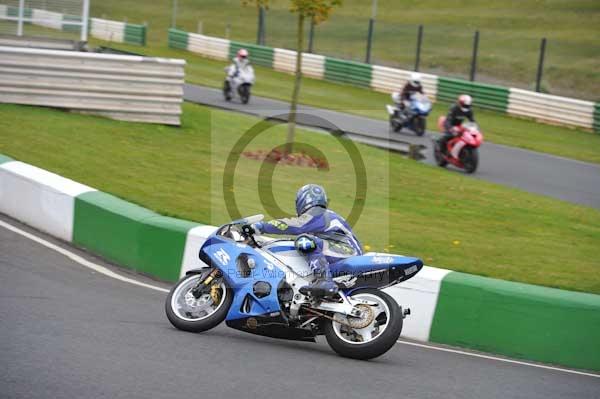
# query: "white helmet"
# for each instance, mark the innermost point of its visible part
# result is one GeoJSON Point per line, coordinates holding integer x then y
{"type": "Point", "coordinates": [415, 78]}
{"type": "Point", "coordinates": [464, 102]}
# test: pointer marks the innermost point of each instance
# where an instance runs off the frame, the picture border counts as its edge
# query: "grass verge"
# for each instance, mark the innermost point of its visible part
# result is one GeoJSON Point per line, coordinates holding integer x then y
{"type": "Point", "coordinates": [449, 220]}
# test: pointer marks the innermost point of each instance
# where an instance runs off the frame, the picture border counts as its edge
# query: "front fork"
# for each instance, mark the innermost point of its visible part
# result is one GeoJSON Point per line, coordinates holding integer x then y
{"type": "Point", "coordinates": [205, 283]}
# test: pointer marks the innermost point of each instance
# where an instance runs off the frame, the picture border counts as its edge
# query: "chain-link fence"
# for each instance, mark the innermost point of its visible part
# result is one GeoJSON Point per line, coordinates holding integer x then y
{"type": "Point", "coordinates": [508, 58]}
{"type": "Point", "coordinates": [63, 19]}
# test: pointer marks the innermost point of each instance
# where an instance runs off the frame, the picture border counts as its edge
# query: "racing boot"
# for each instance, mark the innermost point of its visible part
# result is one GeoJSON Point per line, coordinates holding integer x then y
{"type": "Point", "coordinates": [323, 286]}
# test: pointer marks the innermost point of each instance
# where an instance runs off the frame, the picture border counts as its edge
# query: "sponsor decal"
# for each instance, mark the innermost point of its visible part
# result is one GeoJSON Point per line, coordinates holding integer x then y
{"type": "Point", "coordinates": [411, 270]}
{"type": "Point", "coordinates": [278, 224]}
{"type": "Point", "coordinates": [222, 256]}
{"type": "Point", "coordinates": [382, 260]}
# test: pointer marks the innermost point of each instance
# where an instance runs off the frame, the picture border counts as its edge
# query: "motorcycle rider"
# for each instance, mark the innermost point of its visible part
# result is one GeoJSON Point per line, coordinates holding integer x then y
{"type": "Point", "coordinates": [324, 237]}
{"type": "Point", "coordinates": [240, 62]}
{"type": "Point", "coordinates": [456, 116]}
{"type": "Point", "coordinates": [412, 86]}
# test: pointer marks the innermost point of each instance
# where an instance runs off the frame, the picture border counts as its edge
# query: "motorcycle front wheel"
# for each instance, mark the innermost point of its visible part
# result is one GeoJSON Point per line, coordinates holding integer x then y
{"type": "Point", "coordinates": [470, 159]}
{"type": "Point", "coordinates": [227, 90]}
{"type": "Point", "coordinates": [420, 124]}
{"type": "Point", "coordinates": [244, 92]}
{"type": "Point", "coordinates": [373, 334]}
{"type": "Point", "coordinates": [193, 307]}
{"type": "Point", "coordinates": [440, 160]}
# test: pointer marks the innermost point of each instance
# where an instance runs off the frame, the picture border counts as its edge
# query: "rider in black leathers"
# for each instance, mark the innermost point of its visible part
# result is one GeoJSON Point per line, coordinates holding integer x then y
{"type": "Point", "coordinates": [456, 116]}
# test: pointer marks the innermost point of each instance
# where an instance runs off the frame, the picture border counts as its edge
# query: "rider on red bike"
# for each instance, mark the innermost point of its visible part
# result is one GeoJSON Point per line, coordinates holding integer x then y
{"type": "Point", "coordinates": [456, 116]}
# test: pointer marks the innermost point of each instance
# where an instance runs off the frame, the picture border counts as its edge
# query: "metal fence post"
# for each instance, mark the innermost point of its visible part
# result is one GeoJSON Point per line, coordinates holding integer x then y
{"type": "Point", "coordinates": [260, 34]}
{"type": "Point", "coordinates": [419, 42]}
{"type": "Point", "coordinates": [174, 15]}
{"type": "Point", "coordinates": [86, 20]}
{"type": "Point", "coordinates": [540, 69]}
{"type": "Point", "coordinates": [370, 33]}
{"type": "Point", "coordinates": [311, 36]}
{"type": "Point", "coordinates": [474, 59]}
{"type": "Point", "coordinates": [199, 29]}
{"type": "Point", "coordinates": [21, 16]}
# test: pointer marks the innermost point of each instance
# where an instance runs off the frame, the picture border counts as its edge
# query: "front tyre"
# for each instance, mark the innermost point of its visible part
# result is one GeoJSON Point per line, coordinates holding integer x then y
{"type": "Point", "coordinates": [194, 309]}
{"type": "Point", "coordinates": [377, 337]}
{"type": "Point", "coordinates": [227, 90]}
{"type": "Point", "coordinates": [440, 160]}
{"type": "Point", "coordinates": [244, 92]}
{"type": "Point", "coordinates": [470, 159]}
{"type": "Point", "coordinates": [420, 125]}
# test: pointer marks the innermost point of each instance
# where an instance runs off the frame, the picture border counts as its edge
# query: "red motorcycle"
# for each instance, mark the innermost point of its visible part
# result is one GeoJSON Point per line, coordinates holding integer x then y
{"type": "Point", "coordinates": [461, 150]}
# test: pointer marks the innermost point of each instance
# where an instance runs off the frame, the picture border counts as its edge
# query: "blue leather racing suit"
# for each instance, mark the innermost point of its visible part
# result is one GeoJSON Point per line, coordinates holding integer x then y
{"type": "Point", "coordinates": [332, 235]}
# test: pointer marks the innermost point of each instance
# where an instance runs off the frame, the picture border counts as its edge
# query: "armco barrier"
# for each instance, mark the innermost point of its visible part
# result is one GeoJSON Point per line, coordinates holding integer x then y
{"type": "Point", "coordinates": [484, 96]}
{"type": "Point", "coordinates": [513, 319]}
{"type": "Point", "coordinates": [313, 65]}
{"type": "Point", "coordinates": [132, 88]}
{"type": "Point", "coordinates": [388, 80]}
{"type": "Point", "coordinates": [597, 117]}
{"type": "Point", "coordinates": [354, 73]}
{"type": "Point", "coordinates": [119, 32]}
{"type": "Point", "coordinates": [178, 39]}
{"type": "Point", "coordinates": [553, 109]}
{"type": "Point", "coordinates": [261, 55]}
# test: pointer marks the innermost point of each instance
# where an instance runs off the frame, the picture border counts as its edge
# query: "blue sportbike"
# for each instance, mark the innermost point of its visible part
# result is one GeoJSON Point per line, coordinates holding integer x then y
{"type": "Point", "coordinates": [252, 283]}
{"type": "Point", "coordinates": [412, 117]}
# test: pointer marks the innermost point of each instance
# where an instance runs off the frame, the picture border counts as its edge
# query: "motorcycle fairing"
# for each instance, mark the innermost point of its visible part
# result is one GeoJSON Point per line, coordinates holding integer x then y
{"type": "Point", "coordinates": [232, 259]}
{"type": "Point", "coordinates": [375, 270]}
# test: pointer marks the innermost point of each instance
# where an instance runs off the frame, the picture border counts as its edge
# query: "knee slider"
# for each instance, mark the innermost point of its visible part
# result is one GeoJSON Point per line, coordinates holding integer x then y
{"type": "Point", "coordinates": [305, 244]}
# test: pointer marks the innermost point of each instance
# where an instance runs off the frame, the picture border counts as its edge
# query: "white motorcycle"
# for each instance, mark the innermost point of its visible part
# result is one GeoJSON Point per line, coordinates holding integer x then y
{"type": "Point", "coordinates": [239, 80]}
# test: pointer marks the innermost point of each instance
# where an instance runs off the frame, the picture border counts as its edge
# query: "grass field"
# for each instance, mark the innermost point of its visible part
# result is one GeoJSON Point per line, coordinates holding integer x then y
{"type": "Point", "coordinates": [446, 218]}
{"type": "Point", "coordinates": [510, 33]}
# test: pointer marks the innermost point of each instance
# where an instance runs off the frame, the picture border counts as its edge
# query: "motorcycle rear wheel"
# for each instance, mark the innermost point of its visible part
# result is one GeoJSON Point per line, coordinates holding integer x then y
{"type": "Point", "coordinates": [470, 159]}
{"type": "Point", "coordinates": [187, 313]}
{"type": "Point", "coordinates": [375, 339]}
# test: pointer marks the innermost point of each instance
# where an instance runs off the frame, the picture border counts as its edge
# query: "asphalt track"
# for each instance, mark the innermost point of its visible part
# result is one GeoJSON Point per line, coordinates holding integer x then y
{"type": "Point", "coordinates": [69, 332]}
{"type": "Point", "coordinates": [562, 178]}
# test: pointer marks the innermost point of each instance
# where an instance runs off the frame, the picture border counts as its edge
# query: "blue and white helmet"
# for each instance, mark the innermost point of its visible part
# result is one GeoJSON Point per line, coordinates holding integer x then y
{"type": "Point", "coordinates": [309, 196]}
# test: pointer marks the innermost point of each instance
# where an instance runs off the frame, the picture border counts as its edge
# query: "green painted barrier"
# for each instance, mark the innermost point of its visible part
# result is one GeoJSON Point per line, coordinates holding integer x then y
{"type": "Point", "coordinates": [178, 39]}
{"type": "Point", "coordinates": [12, 11]}
{"type": "Point", "coordinates": [484, 95]}
{"type": "Point", "coordinates": [130, 235]}
{"type": "Point", "coordinates": [68, 27]}
{"type": "Point", "coordinates": [597, 117]}
{"type": "Point", "coordinates": [4, 159]}
{"type": "Point", "coordinates": [135, 34]}
{"type": "Point", "coordinates": [518, 320]}
{"type": "Point", "coordinates": [259, 55]}
{"type": "Point", "coordinates": [342, 71]}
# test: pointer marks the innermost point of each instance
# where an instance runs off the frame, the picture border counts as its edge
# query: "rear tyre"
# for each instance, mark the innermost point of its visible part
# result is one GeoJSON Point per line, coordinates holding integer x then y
{"type": "Point", "coordinates": [420, 125]}
{"type": "Point", "coordinates": [470, 159]}
{"type": "Point", "coordinates": [373, 340]}
{"type": "Point", "coordinates": [440, 160]}
{"type": "Point", "coordinates": [188, 313]}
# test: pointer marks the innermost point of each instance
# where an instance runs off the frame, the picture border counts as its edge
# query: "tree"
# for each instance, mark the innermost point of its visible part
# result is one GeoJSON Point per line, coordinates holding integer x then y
{"type": "Point", "coordinates": [315, 11]}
